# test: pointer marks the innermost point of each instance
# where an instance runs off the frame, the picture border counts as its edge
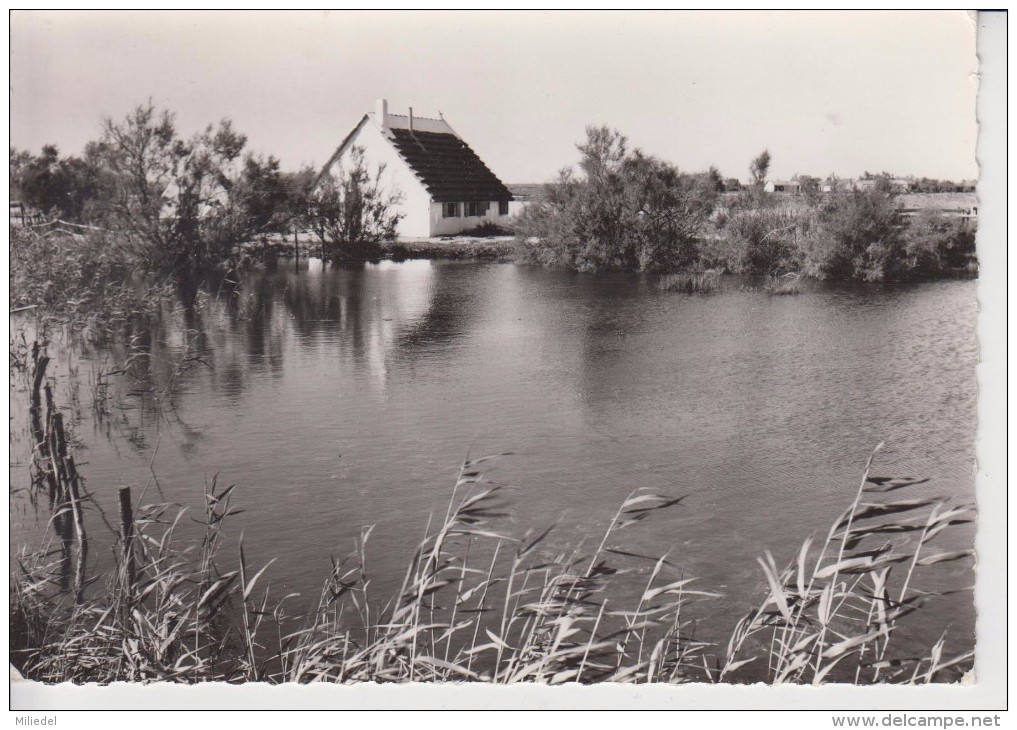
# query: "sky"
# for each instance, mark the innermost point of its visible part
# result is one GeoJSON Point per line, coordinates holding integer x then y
{"type": "Point", "coordinates": [825, 92]}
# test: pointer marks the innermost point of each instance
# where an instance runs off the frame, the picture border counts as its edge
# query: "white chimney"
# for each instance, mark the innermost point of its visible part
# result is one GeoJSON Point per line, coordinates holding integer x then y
{"type": "Point", "coordinates": [381, 113]}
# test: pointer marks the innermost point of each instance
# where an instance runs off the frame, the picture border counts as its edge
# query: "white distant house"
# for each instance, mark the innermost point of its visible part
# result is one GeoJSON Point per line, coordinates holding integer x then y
{"type": "Point", "coordinates": [783, 186]}
{"type": "Point", "coordinates": [446, 188]}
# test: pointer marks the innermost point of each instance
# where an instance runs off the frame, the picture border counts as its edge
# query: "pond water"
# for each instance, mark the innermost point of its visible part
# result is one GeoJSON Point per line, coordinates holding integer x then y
{"type": "Point", "coordinates": [342, 398]}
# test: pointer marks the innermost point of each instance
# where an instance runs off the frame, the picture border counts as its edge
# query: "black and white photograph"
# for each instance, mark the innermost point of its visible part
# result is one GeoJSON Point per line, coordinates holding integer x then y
{"type": "Point", "coordinates": [496, 348]}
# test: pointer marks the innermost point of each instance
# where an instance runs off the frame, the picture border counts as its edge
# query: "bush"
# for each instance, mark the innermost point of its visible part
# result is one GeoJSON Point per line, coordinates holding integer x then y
{"type": "Point", "coordinates": [484, 230]}
{"type": "Point", "coordinates": [352, 213]}
{"type": "Point", "coordinates": [183, 205]}
{"type": "Point", "coordinates": [765, 239]}
{"type": "Point", "coordinates": [937, 245]}
{"type": "Point", "coordinates": [858, 234]}
{"type": "Point", "coordinates": [861, 235]}
{"type": "Point", "coordinates": [624, 211]}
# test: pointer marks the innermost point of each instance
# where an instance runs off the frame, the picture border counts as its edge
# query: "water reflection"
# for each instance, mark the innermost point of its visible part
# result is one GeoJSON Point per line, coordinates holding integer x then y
{"type": "Point", "coordinates": [453, 299]}
{"type": "Point", "coordinates": [366, 317]}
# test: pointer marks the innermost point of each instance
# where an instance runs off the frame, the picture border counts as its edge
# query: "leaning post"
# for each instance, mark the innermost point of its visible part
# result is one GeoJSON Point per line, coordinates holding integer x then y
{"type": "Point", "coordinates": [127, 535]}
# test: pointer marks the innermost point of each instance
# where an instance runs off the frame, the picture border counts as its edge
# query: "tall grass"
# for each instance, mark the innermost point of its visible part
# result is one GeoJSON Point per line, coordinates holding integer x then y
{"type": "Point", "coordinates": [91, 279]}
{"type": "Point", "coordinates": [832, 613]}
{"type": "Point", "coordinates": [477, 604]}
{"type": "Point", "coordinates": [703, 282]}
{"type": "Point", "coordinates": [159, 615]}
{"type": "Point", "coordinates": [789, 284]}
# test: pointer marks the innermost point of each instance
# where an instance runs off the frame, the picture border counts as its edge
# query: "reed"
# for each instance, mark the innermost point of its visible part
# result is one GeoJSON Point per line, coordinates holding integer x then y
{"type": "Point", "coordinates": [478, 604]}
{"type": "Point", "coordinates": [704, 282]}
{"type": "Point", "coordinates": [832, 612]}
{"type": "Point", "coordinates": [786, 285]}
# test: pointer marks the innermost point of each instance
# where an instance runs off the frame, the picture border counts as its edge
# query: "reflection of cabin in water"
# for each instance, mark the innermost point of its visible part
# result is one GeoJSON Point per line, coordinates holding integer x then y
{"type": "Point", "coordinates": [445, 187]}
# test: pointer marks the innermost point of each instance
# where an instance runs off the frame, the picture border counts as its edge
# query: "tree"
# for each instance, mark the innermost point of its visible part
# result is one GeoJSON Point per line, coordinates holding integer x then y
{"type": "Point", "coordinates": [835, 184]}
{"type": "Point", "coordinates": [18, 162]}
{"type": "Point", "coordinates": [352, 212]}
{"type": "Point", "coordinates": [811, 186]}
{"type": "Point", "coordinates": [622, 211]}
{"type": "Point", "coordinates": [61, 187]}
{"type": "Point", "coordinates": [299, 187]}
{"type": "Point", "coordinates": [209, 218]}
{"type": "Point", "coordinates": [671, 210]}
{"type": "Point", "coordinates": [183, 202]}
{"type": "Point", "coordinates": [263, 195]}
{"type": "Point", "coordinates": [714, 179]}
{"type": "Point", "coordinates": [140, 156]}
{"type": "Point", "coordinates": [759, 168]}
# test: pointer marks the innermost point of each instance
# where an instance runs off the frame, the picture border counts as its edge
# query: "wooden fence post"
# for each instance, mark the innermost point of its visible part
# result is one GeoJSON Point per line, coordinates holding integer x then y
{"type": "Point", "coordinates": [73, 515]}
{"type": "Point", "coordinates": [127, 535]}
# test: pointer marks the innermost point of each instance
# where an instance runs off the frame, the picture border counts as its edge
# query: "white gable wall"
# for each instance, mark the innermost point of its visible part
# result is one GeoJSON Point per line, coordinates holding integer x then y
{"type": "Point", "coordinates": [416, 202]}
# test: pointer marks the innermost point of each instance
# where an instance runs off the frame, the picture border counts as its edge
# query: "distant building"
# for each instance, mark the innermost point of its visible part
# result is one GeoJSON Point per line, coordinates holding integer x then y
{"type": "Point", "coordinates": [792, 187]}
{"type": "Point", "coordinates": [446, 188]}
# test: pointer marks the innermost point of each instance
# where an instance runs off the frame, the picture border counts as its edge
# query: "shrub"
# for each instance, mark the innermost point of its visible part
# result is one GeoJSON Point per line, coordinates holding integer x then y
{"type": "Point", "coordinates": [623, 211]}
{"type": "Point", "coordinates": [352, 213]}
{"type": "Point", "coordinates": [183, 205]}
{"type": "Point", "coordinates": [860, 235]}
{"type": "Point", "coordinates": [484, 230]}
{"type": "Point", "coordinates": [766, 239]}
{"type": "Point", "coordinates": [936, 245]}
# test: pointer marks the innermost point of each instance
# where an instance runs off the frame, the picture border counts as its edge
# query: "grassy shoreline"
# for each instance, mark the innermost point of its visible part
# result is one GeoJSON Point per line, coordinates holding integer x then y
{"type": "Point", "coordinates": [462, 247]}
{"type": "Point", "coordinates": [506, 249]}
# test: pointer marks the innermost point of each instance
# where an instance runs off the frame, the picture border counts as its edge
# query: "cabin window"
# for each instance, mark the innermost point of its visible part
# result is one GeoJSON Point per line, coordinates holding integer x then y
{"type": "Point", "coordinates": [503, 207]}
{"type": "Point", "coordinates": [450, 210]}
{"type": "Point", "coordinates": [476, 209]}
